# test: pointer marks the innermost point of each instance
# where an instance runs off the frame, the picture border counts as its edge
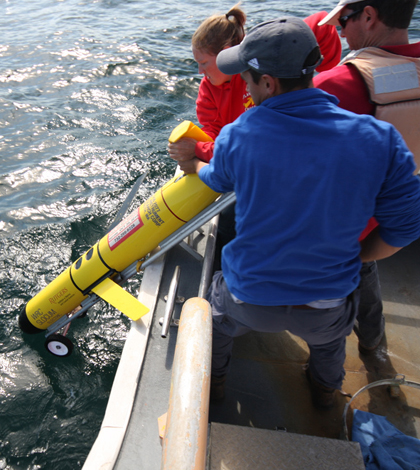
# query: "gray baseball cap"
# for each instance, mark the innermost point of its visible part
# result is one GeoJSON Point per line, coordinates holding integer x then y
{"type": "Point", "coordinates": [278, 48]}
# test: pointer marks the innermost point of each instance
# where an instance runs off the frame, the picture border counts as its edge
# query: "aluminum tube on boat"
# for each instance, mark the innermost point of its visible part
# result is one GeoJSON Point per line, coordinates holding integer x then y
{"type": "Point", "coordinates": [170, 302]}
{"type": "Point", "coordinates": [185, 441]}
{"type": "Point", "coordinates": [207, 271]}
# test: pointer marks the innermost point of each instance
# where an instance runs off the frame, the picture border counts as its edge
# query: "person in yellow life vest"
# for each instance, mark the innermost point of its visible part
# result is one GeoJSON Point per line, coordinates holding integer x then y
{"type": "Point", "coordinates": [365, 82]}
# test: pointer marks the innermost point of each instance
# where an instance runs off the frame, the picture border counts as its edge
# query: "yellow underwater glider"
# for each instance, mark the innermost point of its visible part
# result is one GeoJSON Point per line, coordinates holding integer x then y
{"type": "Point", "coordinates": [95, 272]}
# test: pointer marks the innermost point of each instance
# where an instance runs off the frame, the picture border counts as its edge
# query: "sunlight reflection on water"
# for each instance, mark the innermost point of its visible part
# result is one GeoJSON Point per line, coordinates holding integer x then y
{"type": "Point", "coordinates": [90, 92]}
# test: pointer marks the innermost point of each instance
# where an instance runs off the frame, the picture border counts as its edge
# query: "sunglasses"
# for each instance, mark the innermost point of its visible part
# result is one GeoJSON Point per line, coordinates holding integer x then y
{"type": "Point", "coordinates": [343, 20]}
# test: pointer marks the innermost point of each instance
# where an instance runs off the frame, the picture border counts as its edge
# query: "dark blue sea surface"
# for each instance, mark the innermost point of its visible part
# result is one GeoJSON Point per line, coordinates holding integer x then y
{"type": "Point", "coordinates": [89, 93]}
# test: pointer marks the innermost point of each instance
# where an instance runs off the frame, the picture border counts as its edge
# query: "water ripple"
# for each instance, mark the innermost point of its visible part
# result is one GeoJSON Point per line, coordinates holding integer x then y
{"type": "Point", "coordinates": [89, 93]}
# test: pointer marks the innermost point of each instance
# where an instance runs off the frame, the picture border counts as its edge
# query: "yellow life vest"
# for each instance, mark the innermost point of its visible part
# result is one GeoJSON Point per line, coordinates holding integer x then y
{"type": "Point", "coordinates": [393, 82]}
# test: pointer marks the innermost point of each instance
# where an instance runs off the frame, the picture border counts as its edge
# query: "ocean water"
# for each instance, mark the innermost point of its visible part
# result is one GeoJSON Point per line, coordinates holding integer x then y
{"type": "Point", "coordinates": [89, 93]}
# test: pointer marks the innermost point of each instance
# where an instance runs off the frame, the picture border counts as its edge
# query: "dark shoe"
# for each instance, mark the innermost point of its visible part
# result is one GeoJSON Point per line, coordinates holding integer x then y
{"type": "Point", "coordinates": [322, 397]}
{"type": "Point", "coordinates": [366, 350]}
{"type": "Point", "coordinates": [217, 388]}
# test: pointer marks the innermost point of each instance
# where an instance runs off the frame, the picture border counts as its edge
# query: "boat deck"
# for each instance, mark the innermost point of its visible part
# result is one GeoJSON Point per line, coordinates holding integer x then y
{"type": "Point", "coordinates": [142, 442]}
{"type": "Point", "coordinates": [266, 387]}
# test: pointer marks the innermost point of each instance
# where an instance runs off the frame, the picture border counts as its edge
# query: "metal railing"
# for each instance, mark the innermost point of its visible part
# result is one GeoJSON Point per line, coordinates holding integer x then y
{"type": "Point", "coordinates": [397, 381]}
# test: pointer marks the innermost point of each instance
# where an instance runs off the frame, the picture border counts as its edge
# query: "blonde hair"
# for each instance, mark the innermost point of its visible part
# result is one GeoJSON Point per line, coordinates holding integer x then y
{"type": "Point", "coordinates": [220, 31]}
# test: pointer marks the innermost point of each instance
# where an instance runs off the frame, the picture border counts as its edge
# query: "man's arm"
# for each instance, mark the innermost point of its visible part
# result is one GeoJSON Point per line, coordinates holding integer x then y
{"type": "Point", "coordinates": [374, 248]}
{"type": "Point", "coordinates": [191, 166]}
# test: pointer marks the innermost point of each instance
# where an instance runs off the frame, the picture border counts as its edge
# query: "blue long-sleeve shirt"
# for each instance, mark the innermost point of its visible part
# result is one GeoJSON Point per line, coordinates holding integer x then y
{"type": "Point", "coordinates": [308, 176]}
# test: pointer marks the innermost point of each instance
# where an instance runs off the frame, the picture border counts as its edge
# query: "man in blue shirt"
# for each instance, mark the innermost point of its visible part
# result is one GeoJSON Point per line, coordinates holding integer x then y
{"type": "Point", "coordinates": [307, 177]}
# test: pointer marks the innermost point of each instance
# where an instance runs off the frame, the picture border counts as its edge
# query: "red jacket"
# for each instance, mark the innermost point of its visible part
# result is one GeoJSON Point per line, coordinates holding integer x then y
{"type": "Point", "coordinates": [218, 106]}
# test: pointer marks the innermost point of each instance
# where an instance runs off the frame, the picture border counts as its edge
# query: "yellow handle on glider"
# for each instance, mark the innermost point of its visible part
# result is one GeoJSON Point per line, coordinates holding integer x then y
{"type": "Point", "coordinates": [188, 129]}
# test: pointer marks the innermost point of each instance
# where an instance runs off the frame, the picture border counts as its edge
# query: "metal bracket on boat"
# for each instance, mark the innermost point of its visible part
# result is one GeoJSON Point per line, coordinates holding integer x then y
{"type": "Point", "coordinates": [171, 298]}
{"type": "Point", "coordinates": [189, 249]}
{"type": "Point", "coordinates": [187, 244]}
{"type": "Point", "coordinates": [66, 319]}
{"type": "Point", "coordinates": [207, 270]}
{"type": "Point", "coordinates": [394, 383]}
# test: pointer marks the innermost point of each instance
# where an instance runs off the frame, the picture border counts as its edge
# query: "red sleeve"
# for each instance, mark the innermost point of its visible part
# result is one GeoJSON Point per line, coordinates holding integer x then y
{"type": "Point", "coordinates": [369, 227]}
{"type": "Point", "coordinates": [204, 151]}
{"type": "Point", "coordinates": [328, 40]}
{"type": "Point", "coordinates": [218, 106]}
{"type": "Point", "coordinates": [208, 104]}
{"type": "Point", "coordinates": [346, 83]}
